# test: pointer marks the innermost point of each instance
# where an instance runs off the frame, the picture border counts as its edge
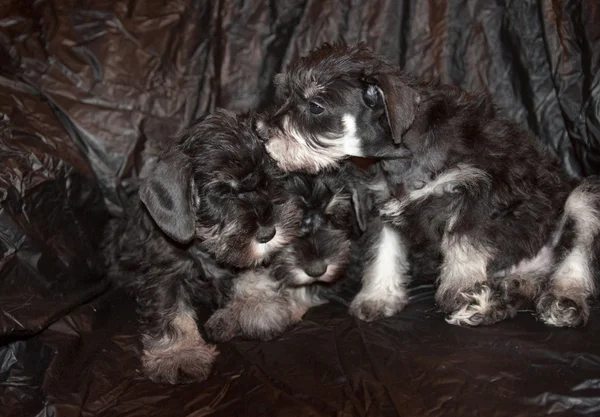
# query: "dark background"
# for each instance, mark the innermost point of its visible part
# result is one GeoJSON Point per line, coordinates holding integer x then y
{"type": "Point", "coordinates": [91, 90]}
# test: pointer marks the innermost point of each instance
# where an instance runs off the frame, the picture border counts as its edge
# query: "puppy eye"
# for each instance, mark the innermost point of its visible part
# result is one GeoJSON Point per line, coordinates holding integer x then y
{"type": "Point", "coordinates": [315, 108]}
{"type": "Point", "coordinates": [371, 97]}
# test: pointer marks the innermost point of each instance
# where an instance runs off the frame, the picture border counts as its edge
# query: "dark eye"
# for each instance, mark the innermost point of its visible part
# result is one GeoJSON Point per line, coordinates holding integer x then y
{"type": "Point", "coordinates": [315, 108]}
{"type": "Point", "coordinates": [371, 97]}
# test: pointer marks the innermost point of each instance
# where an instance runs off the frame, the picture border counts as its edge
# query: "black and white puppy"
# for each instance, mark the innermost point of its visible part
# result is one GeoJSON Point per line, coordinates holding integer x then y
{"type": "Point", "coordinates": [212, 205]}
{"type": "Point", "coordinates": [324, 110]}
{"type": "Point", "coordinates": [508, 224]}
{"type": "Point", "coordinates": [320, 263]}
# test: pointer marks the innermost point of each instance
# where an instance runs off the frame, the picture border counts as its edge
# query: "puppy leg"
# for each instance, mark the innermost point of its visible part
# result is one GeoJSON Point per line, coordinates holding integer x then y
{"type": "Point", "coordinates": [499, 298]}
{"type": "Point", "coordinates": [503, 295]}
{"type": "Point", "coordinates": [565, 302]}
{"type": "Point", "coordinates": [521, 285]}
{"type": "Point", "coordinates": [174, 352]}
{"type": "Point", "coordinates": [463, 290]}
{"type": "Point", "coordinates": [268, 317]}
{"type": "Point", "coordinates": [259, 309]}
{"type": "Point", "coordinates": [383, 293]}
{"type": "Point", "coordinates": [223, 325]}
{"type": "Point", "coordinates": [482, 305]}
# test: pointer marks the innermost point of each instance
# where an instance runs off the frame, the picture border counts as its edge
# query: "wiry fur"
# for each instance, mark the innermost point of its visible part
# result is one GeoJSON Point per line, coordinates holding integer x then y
{"type": "Point", "coordinates": [352, 121]}
{"type": "Point", "coordinates": [474, 190]}
{"type": "Point", "coordinates": [214, 204]}
{"type": "Point", "coordinates": [307, 272]}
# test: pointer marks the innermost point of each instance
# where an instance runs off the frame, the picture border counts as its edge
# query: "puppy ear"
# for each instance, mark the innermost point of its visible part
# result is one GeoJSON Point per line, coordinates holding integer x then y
{"type": "Point", "coordinates": [401, 103]}
{"type": "Point", "coordinates": [166, 194]}
{"type": "Point", "coordinates": [362, 204]}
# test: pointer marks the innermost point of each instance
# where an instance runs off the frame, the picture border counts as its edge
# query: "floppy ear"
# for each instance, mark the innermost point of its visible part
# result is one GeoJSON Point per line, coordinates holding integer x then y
{"type": "Point", "coordinates": [401, 103]}
{"type": "Point", "coordinates": [166, 194]}
{"type": "Point", "coordinates": [362, 204]}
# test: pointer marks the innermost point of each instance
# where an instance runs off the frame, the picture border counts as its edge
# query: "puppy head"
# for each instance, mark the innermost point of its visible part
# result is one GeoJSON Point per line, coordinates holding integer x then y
{"type": "Point", "coordinates": [331, 104]}
{"type": "Point", "coordinates": [218, 185]}
{"type": "Point", "coordinates": [332, 218]}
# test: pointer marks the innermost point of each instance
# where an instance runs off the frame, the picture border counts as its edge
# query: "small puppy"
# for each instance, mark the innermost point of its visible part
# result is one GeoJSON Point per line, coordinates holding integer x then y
{"type": "Point", "coordinates": [318, 264]}
{"type": "Point", "coordinates": [212, 205]}
{"type": "Point", "coordinates": [324, 110]}
{"type": "Point", "coordinates": [508, 224]}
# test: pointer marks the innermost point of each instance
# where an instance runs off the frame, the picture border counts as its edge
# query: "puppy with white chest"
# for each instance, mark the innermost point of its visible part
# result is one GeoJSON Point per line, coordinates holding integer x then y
{"type": "Point", "coordinates": [324, 112]}
{"type": "Point", "coordinates": [212, 206]}
{"type": "Point", "coordinates": [319, 263]}
{"type": "Point", "coordinates": [509, 226]}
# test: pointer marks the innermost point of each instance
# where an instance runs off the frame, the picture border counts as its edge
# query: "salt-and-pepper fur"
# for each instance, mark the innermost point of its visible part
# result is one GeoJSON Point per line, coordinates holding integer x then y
{"type": "Point", "coordinates": [219, 227]}
{"type": "Point", "coordinates": [323, 260]}
{"type": "Point", "coordinates": [213, 206]}
{"type": "Point", "coordinates": [481, 193]}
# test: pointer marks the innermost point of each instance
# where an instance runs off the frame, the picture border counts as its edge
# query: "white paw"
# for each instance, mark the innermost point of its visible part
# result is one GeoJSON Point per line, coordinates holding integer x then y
{"type": "Point", "coordinates": [481, 306]}
{"type": "Point", "coordinates": [370, 308]}
{"type": "Point", "coordinates": [560, 311]}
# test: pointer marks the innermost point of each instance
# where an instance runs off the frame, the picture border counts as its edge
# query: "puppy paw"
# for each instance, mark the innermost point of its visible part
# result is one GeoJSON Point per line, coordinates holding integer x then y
{"type": "Point", "coordinates": [267, 319]}
{"type": "Point", "coordinates": [371, 308]}
{"type": "Point", "coordinates": [222, 326]}
{"type": "Point", "coordinates": [251, 318]}
{"type": "Point", "coordinates": [561, 311]}
{"type": "Point", "coordinates": [181, 366]}
{"type": "Point", "coordinates": [480, 306]}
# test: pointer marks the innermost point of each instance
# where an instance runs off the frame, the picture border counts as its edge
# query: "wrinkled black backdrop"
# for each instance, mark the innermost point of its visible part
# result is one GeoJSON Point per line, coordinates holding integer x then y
{"type": "Point", "coordinates": [91, 89]}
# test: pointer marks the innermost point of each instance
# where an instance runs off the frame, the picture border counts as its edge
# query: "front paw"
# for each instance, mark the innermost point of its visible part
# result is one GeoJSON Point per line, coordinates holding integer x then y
{"type": "Point", "coordinates": [179, 365]}
{"type": "Point", "coordinates": [251, 318]}
{"type": "Point", "coordinates": [267, 319]}
{"type": "Point", "coordinates": [479, 306]}
{"type": "Point", "coordinates": [222, 326]}
{"type": "Point", "coordinates": [371, 308]}
{"type": "Point", "coordinates": [562, 311]}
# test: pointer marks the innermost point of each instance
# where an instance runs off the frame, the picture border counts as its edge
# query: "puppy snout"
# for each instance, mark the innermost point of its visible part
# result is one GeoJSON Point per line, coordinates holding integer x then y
{"type": "Point", "coordinates": [316, 269]}
{"type": "Point", "coordinates": [264, 209]}
{"type": "Point", "coordinates": [266, 125]}
{"type": "Point", "coordinates": [265, 234]}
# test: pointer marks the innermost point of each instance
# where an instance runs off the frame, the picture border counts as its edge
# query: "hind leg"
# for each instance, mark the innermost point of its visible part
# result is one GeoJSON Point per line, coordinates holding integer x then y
{"type": "Point", "coordinates": [463, 289]}
{"type": "Point", "coordinates": [565, 302]}
{"type": "Point", "coordinates": [466, 293]}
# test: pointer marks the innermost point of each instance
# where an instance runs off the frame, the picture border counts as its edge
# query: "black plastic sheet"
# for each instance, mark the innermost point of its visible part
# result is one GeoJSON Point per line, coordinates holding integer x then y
{"type": "Point", "coordinates": [91, 90]}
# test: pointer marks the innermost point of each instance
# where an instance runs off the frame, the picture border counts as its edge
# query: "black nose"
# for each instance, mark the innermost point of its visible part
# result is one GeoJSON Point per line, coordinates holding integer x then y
{"type": "Point", "coordinates": [316, 269]}
{"type": "Point", "coordinates": [265, 234]}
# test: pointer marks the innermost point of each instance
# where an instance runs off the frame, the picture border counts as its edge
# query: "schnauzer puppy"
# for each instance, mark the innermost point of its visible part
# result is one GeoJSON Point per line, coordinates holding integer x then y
{"type": "Point", "coordinates": [309, 270]}
{"type": "Point", "coordinates": [213, 204]}
{"type": "Point", "coordinates": [324, 111]}
{"type": "Point", "coordinates": [508, 224]}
